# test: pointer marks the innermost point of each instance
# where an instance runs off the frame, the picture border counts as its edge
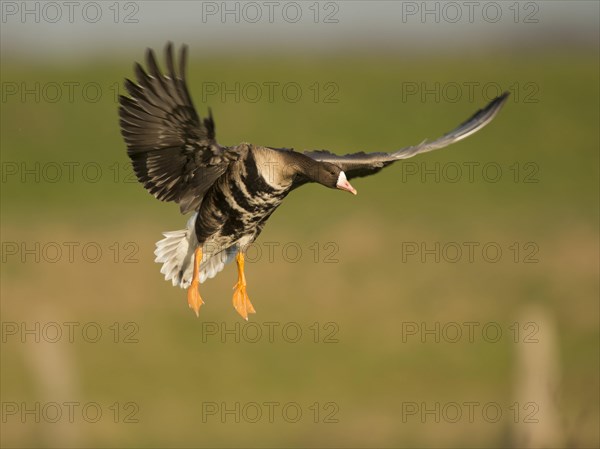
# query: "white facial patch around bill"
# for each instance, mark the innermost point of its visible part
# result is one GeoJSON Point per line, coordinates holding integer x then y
{"type": "Point", "coordinates": [343, 184]}
{"type": "Point", "coordinates": [341, 179]}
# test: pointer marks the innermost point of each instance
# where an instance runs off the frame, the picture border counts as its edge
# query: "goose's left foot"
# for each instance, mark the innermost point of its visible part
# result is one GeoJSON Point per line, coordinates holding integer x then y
{"type": "Point", "coordinates": [241, 302]}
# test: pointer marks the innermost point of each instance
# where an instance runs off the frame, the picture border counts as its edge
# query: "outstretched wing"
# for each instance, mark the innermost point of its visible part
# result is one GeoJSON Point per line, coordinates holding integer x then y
{"type": "Point", "coordinates": [364, 164]}
{"type": "Point", "coordinates": [174, 153]}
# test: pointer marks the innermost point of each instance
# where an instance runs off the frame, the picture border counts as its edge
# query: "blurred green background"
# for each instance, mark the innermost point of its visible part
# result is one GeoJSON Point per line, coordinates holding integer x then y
{"type": "Point", "coordinates": [159, 365]}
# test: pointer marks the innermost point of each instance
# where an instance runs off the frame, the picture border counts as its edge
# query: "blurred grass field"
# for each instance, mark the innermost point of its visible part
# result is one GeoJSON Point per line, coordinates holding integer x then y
{"type": "Point", "coordinates": [373, 369]}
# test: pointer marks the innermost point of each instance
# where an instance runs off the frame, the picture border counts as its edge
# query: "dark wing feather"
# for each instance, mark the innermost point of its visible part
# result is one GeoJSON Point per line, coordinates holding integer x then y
{"type": "Point", "coordinates": [364, 164]}
{"type": "Point", "coordinates": [174, 153]}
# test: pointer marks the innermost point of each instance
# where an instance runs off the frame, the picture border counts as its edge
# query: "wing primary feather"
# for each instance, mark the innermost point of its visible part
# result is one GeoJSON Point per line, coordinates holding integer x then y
{"type": "Point", "coordinates": [476, 122]}
{"type": "Point", "coordinates": [182, 61]}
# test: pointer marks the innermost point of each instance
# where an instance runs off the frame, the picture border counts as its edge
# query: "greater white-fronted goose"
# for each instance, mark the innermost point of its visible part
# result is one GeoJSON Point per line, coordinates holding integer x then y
{"type": "Point", "coordinates": [232, 191]}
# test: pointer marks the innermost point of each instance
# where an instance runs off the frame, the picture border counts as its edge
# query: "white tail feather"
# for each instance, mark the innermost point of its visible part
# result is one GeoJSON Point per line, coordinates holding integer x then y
{"type": "Point", "coordinates": [176, 252]}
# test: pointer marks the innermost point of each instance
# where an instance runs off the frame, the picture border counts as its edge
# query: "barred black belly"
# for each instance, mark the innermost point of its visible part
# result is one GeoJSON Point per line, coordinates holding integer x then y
{"type": "Point", "coordinates": [236, 208]}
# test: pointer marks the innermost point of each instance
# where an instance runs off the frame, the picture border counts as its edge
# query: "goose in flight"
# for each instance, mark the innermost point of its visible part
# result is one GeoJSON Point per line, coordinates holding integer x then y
{"type": "Point", "coordinates": [232, 191]}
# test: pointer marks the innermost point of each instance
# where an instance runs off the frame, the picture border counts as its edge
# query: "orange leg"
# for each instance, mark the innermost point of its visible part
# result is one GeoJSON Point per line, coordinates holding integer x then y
{"type": "Point", "coordinates": [241, 302]}
{"type": "Point", "coordinates": [194, 298]}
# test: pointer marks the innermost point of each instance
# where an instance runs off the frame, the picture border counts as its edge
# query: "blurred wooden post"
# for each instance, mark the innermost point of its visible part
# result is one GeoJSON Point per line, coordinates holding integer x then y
{"type": "Point", "coordinates": [537, 382]}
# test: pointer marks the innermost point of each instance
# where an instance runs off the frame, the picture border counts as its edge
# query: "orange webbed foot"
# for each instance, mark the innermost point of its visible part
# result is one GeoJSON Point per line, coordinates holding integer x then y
{"type": "Point", "coordinates": [194, 298]}
{"type": "Point", "coordinates": [241, 302]}
{"type": "Point", "coordinates": [193, 295]}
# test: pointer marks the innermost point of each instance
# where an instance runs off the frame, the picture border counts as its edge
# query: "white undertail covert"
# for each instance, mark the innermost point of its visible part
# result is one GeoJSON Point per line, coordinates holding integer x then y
{"type": "Point", "coordinates": [176, 252]}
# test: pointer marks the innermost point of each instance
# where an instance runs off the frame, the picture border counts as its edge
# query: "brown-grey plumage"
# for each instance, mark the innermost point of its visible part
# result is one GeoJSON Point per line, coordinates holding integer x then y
{"type": "Point", "coordinates": [231, 190]}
